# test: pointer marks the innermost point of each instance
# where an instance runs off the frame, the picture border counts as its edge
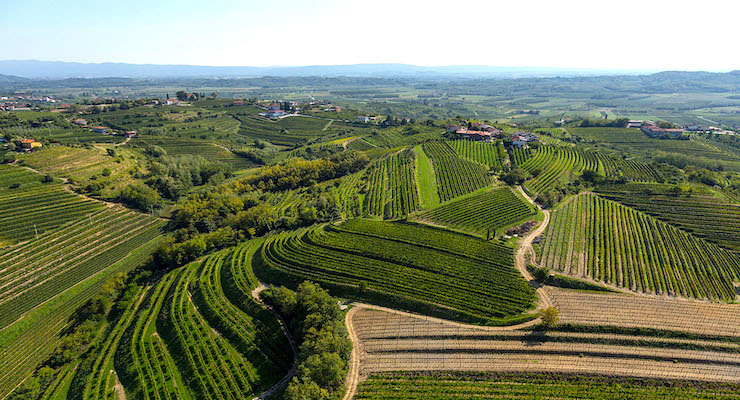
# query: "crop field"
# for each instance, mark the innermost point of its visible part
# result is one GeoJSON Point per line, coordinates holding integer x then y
{"type": "Point", "coordinates": [426, 181]}
{"type": "Point", "coordinates": [40, 269]}
{"type": "Point", "coordinates": [635, 171]}
{"type": "Point", "coordinates": [482, 213]}
{"type": "Point", "coordinates": [455, 176]}
{"type": "Point", "coordinates": [349, 196]}
{"type": "Point", "coordinates": [85, 165]}
{"type": "Point", "coordinates": [209, 151]}
{"type": "Point", "coordinates": [395, 341]}
{"type": "Point", "coordinates": [144, 364]}
{"type": "Point", "coordinates": [392, 190]}
{"type": "Point", "coordinates": [705, 216]}
{"type": "Point", "coordinates": [636, 140]}
{"type": "Point", "coordinates": [606, 241]}
{"type": "Point", "coordinates": [421, 267]}
{"type": "Point", "coordinates": [621, 310]}
{"type": "Point", "coordinates": [460, 386]}
{"type": "Point", "coordinates": [31, 340]}
{"type": "Point", "coordinates": [56, 134]}
{"type": "Point", "coordinates": [551, 165]}
{"type": "Point", "coordinates": [492, 155]}
{"type": "Point", "coordinates": [211, 365]}
{"type": "Point", "coordinates": [36, 210]}
{"type": "Point", "coordinates": [520, 156]}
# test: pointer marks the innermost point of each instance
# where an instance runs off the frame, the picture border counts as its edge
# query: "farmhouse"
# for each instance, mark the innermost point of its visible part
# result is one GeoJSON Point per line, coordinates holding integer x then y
{"type": "Point", "coordinates": [238, 102]}
{"type": "Point", "coordinates": [363, 118]}
{"type": "Point", "coordinates": [453, 128]}
{"type": "Point", "coordinates": [654, 131]}
{"type": "Point", "coordinates": [80, 121]}
{"type": "Point", "coordinates": [100, 129]}
{"type": "Point", "coordinates": [697, 128]}
{"type": "Point", "coordinates": [130, 134]}
{"type": "Point", "coordinates": [478, 136]}
{"type": "Point", "coordinates": [634, 123]}
{"type": "Point", "coordinates": [334, 109]}
{"type": "Point", "coordinates": [521, 139]}
{"type": "Point", "coordinates": [30, 144]}
{"type": "Point", "coordinates": [169, 102]}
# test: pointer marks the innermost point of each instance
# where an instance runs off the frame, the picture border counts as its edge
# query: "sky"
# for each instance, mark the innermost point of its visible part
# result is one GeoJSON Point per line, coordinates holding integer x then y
{"type": "Point", "coordinates": [593, 34]}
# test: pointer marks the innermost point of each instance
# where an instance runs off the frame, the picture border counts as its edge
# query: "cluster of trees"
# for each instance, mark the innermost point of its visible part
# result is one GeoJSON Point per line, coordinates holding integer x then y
{"type": "Point", "coordinates": [262, 152]}
{"type": "Point", "coordinates": [174, 176]}
{"type": "Point", "coordinates": [608, 123]}
{"type": "Point", "coordinates": [295, 173]}
{"type": "Point", "coordinates": [323, 357]}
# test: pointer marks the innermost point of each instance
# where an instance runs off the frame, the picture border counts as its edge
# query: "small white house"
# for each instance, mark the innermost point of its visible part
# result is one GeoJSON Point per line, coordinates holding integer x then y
{"type": "Point", "coordinates": [363, 118]}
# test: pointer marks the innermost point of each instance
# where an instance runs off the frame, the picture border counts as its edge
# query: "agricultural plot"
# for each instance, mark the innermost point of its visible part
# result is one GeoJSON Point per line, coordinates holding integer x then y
{"type": "Point", "coordinates": [209, 151]}
{"type": "Point", "coordinates": [455, 176]}
{"type": "Point", "coordinates": [627, 311]}
{"type": "Point", "coordinates": [426, 181]}
{"type": "Point", "coordinates": [636, 140]}
{"type": "Point", "coordinates": [636, 171]}
{"type": "Point", "coordinates": [392, 186]}
{"type": "Point", "coordinates": [460, 386]}
{"type": "Point", "coordinates": [211, 365]}
{"type": "Point", "coordinates": [145, 366]}
{"type": "Point", "coordinates": [606, 241]}
{"type": "Point", "coordinates": [57, 134]}
{"type": "Point", "coordinates": [31, 340]}
{"type": "Point", "coordinates": [480, 214]}
{"type": "Point", "coordinates": [394, 341]}
{"type": "Point", "coordinates": [553, 165]}
{"type": "Point", "coordinates": [35, 208]}
{"type": "Point", "coordinates": [40, 269]}
{"type": "Point", "coordinates": [492, 155]}
{"type": "Point", "coordinates": [16, 178]}
{"type": "Point", "coordinates": [349, 196]}
{"type": "Point", "coordinates": [705, 216]}
{"type": "Point", "coordinates": [423, 268]}
{"type": "Point", "coordinates": [519, 156]}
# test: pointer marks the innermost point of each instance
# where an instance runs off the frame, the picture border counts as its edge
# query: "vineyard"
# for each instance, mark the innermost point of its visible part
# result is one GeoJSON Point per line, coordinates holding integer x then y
{"type": "Point", "coordinates": [209, 151]}
{"type": "Point", "coordinates": [392, 187]}
{"type": "Point", "coordinates": [41, 268]}
{"type": "Point", "coordinates": [56, 134]}
{"type": "Point", "coordinates": [703, 215]}
{"type": "Point", "coordinates": [29, 341]}
{"type": "Point", "coordinates": [426, 180]}
{"type": "Point", "coordinates": [480, 214]}
{"type": "Point", "coordinates": [471, 385]}
{"type": "Point", "coordinates": [32, 212]}
{"type": "Point", "coordinates": [455, 176]}
{"type": "Point", "coordinates": [604, 240]}
{"type": "Point", "coordinates": [393, 341]}
{"type": "Point", "coordinates": [492, 155]}
{"type": "Point", "coordinates": [418, 267]}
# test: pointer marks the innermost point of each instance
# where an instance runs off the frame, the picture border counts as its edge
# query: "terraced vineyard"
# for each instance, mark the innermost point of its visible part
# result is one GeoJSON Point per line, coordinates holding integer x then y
{"type": "Point", "coordinates": [609, 242]}
{"type": "Point", "coordinates": [455, 176]}
{"type": "Point", "coordinates": [482, 213]}
{"type": "Point", "coordinates": [423, 268]}
{"type": "Point", "coordinates": [209, 151]}
{"type": "Point", "coordinates": [31, 340]}
{"type": "Point", "coordinates": [492, 155]}
{"type": "Point", "coordinates": [40, 269]}
{"type": "Point", "coordinates": [392, 186]}
{"type": "Point", "coordinates": [519, 156]}
{"type": "Point", "coordinates": [146, 367]}
{"type": "Point", "coordinates": [704, 215]}
{"type": "Point", "coordinates": [211, 365]}
{"type": "Point", "coordinates": [35, 210]}
{"type": "Point", "coordinates": [635, 171]}
{"type": "Point", "coordinates": [454, 386]}
{"type": "Point", "coordinates": [552, 165]}
{"type": "Point", "coordinates": [393, 341]}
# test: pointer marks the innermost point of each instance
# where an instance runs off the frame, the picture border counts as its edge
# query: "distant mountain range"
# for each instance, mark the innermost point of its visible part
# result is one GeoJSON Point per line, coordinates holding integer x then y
{"type": "Point", "coordinates": [61, 70]}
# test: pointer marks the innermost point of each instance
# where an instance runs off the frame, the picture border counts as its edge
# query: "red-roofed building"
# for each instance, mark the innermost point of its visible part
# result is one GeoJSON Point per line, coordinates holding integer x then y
{"type": "Point", "coordinates": [80, 121]}
{"type": "Point", "coordinates": [100, 129]}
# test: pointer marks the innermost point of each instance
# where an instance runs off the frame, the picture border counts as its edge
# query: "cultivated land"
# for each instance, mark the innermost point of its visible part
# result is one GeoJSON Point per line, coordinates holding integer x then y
{"type": "Point", "coordinates": [395, 216]}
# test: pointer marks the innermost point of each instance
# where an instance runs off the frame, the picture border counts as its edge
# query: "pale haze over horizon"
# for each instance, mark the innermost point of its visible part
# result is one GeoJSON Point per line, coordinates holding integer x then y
{"type": "Point", "coordinates": [629, 35]}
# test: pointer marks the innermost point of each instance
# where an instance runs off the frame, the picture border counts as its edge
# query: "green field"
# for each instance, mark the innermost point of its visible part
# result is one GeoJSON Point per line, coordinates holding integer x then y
{"type": "Point", "coordinates": [482, 213]}
{"type": "Point", "coordinates": [492, 155]}
{"type": "Point", "coordinates": [426, 181]}
{"type": "Point", "coordinates": [606, 241]}
{"type": "Point", "coordinates": [459, 386]}
{"type": "Point", "coordinates": [418, 267]}
{"type": "Point", "coordinates": [392, 187]}
{"type": "Point", "coordinates": [209, 151]}
{"type": "Point", "coordinates": [455, 176]}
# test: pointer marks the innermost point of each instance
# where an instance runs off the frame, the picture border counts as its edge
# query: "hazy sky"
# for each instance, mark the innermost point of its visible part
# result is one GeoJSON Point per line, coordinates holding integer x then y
{"type": "Point", "coordinates": [625, 34]}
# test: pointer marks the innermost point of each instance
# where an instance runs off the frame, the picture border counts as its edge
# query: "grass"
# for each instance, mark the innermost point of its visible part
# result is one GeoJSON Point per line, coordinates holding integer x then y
{"type": "Point", "coordinates": [426, 182]}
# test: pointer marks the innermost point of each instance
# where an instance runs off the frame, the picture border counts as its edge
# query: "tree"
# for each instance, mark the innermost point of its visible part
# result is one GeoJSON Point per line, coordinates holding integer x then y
{"type": "Point", "coordinates": [181, 95]}
{"type": "Point", "coordinates": [214, 95]}
{"type": "Point", "coordinates": [549, 317]}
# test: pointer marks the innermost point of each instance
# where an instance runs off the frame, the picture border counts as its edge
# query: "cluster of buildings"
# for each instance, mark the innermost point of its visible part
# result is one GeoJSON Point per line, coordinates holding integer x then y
{"type": "Point", "coordinates": [104, 130]}
{"type": "Point", "coordinates": [522, 139]}
{"type": "Point", "coordinates": [479, 132]}
{"type": "Point", "coordinates": [24, 102]}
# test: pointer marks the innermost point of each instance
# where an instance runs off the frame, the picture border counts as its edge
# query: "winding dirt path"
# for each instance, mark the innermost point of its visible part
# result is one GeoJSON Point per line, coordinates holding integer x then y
{"type": "Point", "coordinates": [525, 247]}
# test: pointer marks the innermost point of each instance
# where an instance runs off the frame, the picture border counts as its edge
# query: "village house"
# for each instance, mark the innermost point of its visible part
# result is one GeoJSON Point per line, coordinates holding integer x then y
{"type": "Point", "coordinates": [29, 144]}
{"type": "Point", "coordinates": [363, 118]}
{"type": "Point", "coordinates": [80, 121]}
{"type": "Point", "coordinates": [169, 102]}
{"type": "Point", "coordinates": [130, 134]}
{"type": "Point", "coordinates": [654, 131]}
{"type": "Point", "coordinates": [634, 123]}
{"type": "Point", "coordinates": [100, 129]}
{"type": "Point", "coordinates": [238, 102]}
{"type": "Point", "coordinates": [697, 128]}
{"type": "Point", "coordinates": [522, 139]}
